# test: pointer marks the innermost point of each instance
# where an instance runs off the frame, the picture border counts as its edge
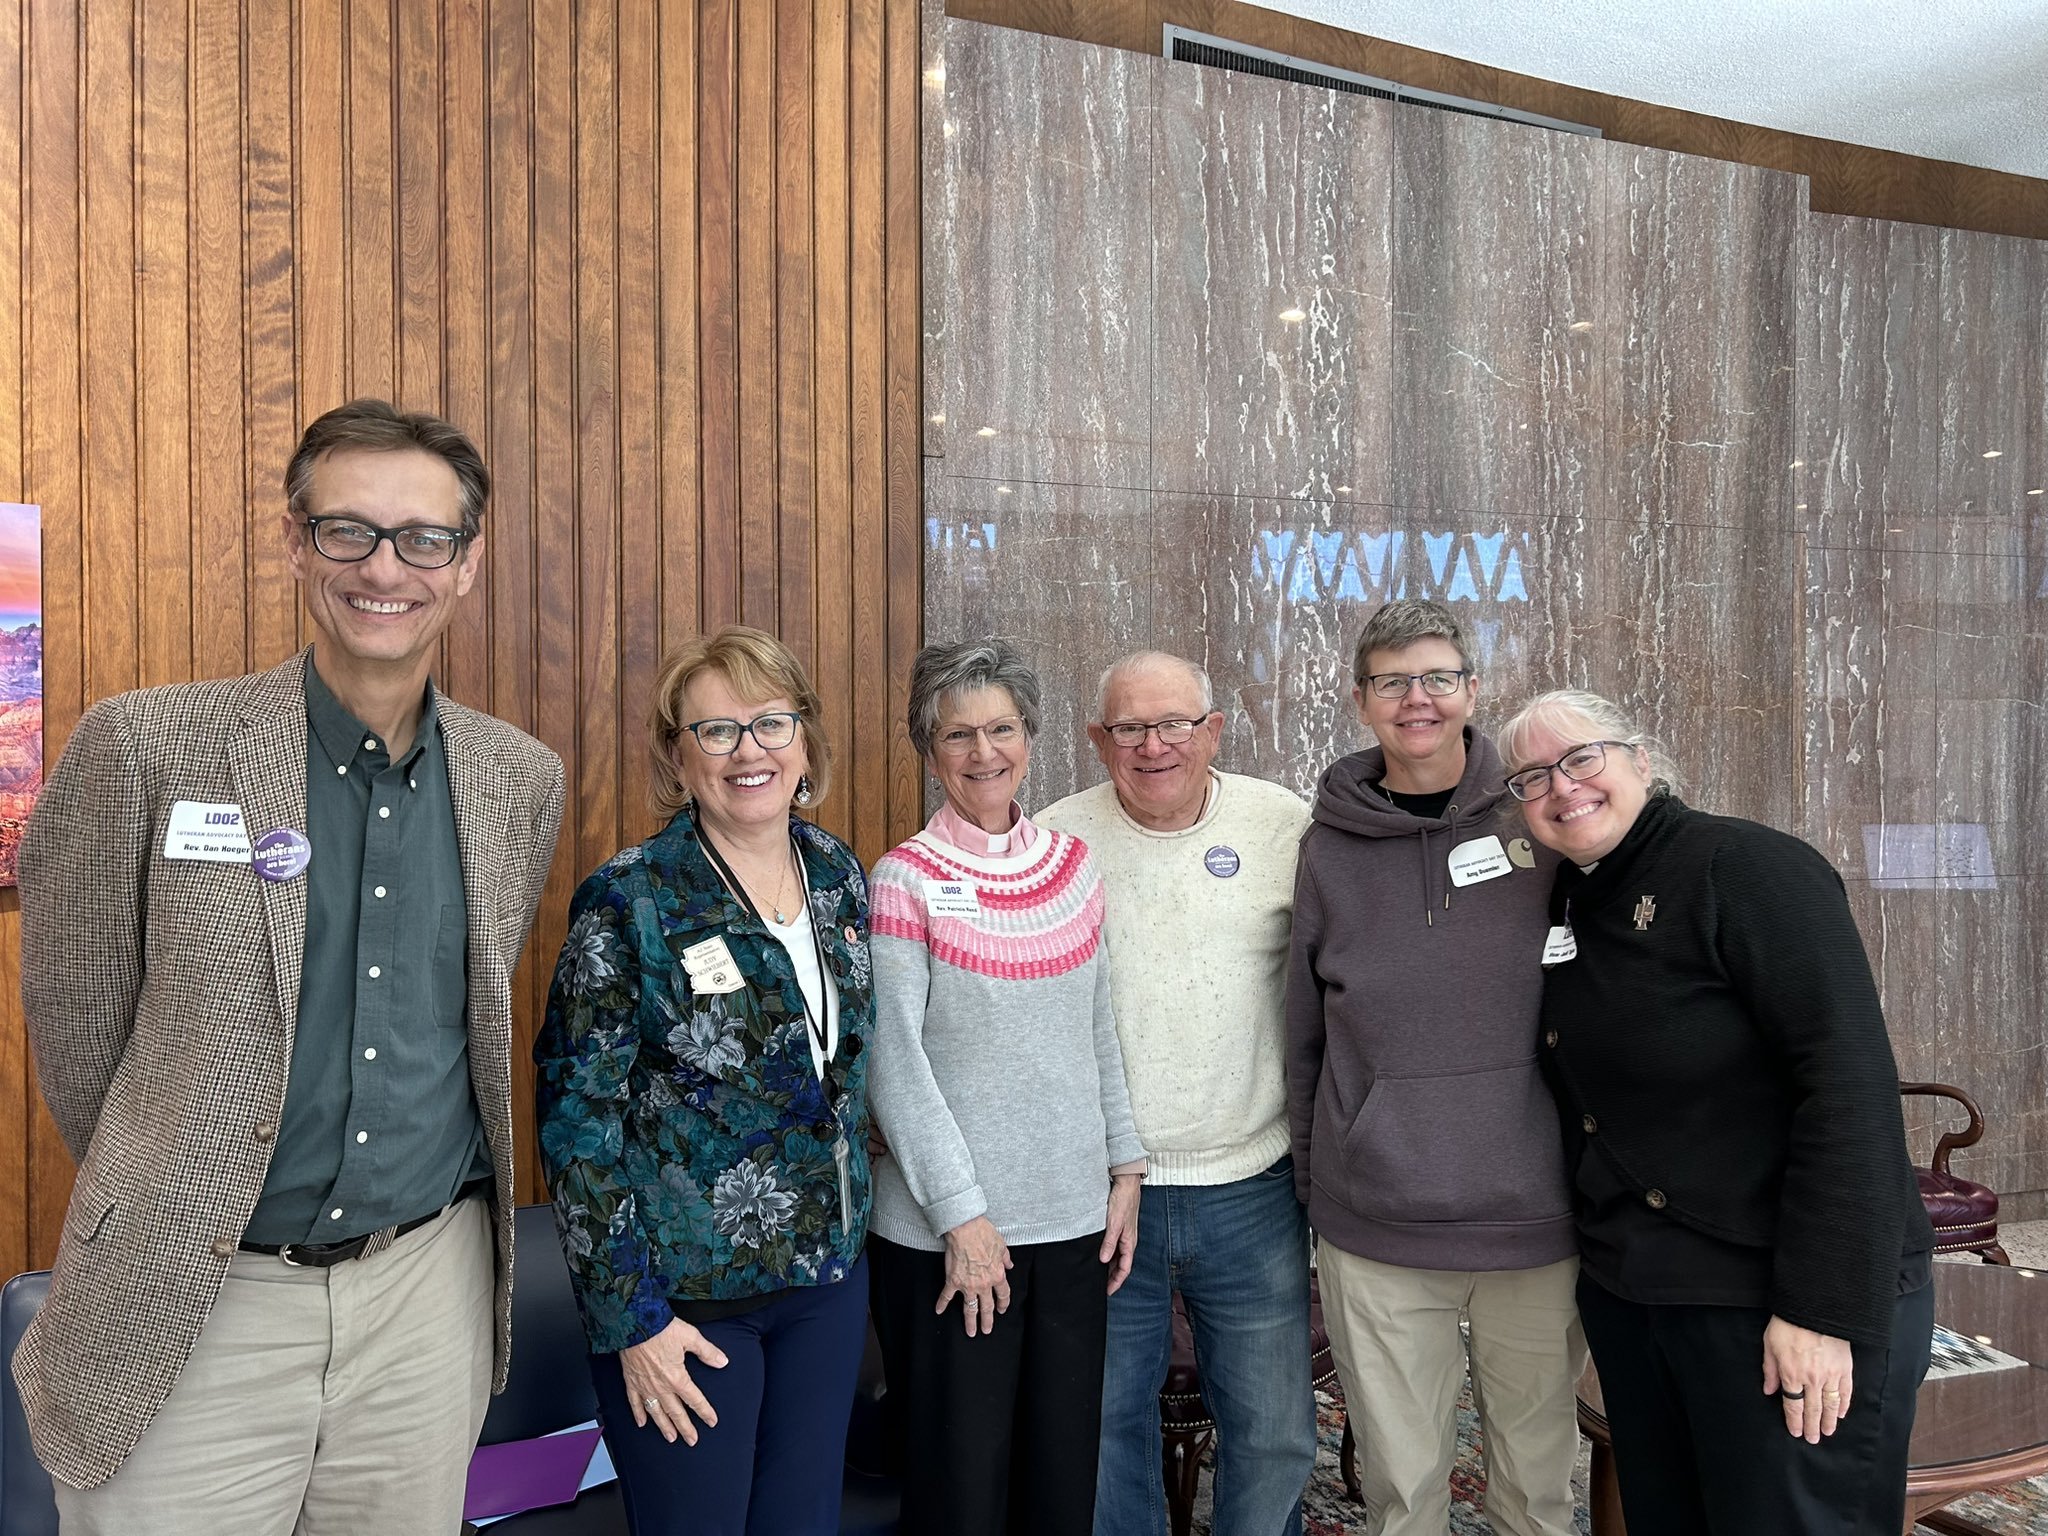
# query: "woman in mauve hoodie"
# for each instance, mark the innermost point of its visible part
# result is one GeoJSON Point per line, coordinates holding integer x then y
{"type": "Point", "coordinates": [1426, 1144]}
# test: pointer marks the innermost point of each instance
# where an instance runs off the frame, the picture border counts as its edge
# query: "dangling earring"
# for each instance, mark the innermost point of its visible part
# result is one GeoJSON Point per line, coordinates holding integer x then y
{"type": "Point", "coordinates": [804, 793]}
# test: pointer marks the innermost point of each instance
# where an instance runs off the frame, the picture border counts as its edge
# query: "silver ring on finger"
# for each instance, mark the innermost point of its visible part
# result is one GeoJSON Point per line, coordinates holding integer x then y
{"type": "Point", "coordinates": [972, 1305]}
{"type": "Point", "coordinates": [653, 1404]}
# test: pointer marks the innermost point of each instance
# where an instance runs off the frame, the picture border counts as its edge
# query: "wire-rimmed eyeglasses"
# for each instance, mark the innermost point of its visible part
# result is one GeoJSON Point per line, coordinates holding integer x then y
{"type": "Point", "coordinates": [1132, 733]}
{"type": "Point", "coordinates": [1395, 685]}
{"type": "Point", "coordinates": [958, 740]}
{"type": "Point", "coordinates": [1582, 762]}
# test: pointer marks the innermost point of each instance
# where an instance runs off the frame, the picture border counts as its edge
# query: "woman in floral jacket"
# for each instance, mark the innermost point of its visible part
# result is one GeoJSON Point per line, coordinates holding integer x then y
{"type": "Point", "coordinates": [702, 1097]}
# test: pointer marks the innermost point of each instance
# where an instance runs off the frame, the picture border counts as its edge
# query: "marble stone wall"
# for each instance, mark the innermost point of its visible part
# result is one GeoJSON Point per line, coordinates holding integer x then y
{"type": "Point", "coordinates": [1219, 364]}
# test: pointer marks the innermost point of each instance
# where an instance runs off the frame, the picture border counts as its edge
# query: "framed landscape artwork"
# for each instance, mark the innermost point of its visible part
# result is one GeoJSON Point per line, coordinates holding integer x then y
{"type": "Point", "coordinates": [21, 674]}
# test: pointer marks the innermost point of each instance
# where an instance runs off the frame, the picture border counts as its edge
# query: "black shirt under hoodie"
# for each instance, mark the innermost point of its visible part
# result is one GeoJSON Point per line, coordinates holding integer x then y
{"type": "Point", "coordinates": [1423, 1132]}
{"type": "Point", "coordinates": [1728, 1093]}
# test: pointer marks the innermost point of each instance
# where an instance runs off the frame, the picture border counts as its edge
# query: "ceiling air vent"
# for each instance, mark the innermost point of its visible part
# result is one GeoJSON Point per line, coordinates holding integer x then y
{"type": "Point", "coordinates": [1186, 47]}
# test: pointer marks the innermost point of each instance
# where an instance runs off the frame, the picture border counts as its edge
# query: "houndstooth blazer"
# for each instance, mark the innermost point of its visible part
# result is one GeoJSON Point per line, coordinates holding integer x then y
{"type": "Point", "coordinates": [161, 998]}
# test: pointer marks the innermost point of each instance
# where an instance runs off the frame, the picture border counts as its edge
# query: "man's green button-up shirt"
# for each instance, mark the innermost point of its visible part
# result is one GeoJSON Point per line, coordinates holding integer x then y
{"type": "Point", "coordinates": [380, 1124]}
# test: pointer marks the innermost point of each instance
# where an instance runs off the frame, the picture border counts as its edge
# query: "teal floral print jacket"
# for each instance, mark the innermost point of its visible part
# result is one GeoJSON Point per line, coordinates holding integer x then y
{"type": "Point", "coordinates": [687, 1140]}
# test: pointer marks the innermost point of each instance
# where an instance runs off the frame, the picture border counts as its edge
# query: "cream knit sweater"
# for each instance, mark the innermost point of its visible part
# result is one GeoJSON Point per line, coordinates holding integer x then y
{"type": "Point", "coordinates": [1198, 927]}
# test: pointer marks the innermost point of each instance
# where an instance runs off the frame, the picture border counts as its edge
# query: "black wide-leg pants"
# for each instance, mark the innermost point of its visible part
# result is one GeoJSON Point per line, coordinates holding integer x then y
{"type": "Point", "coordinates": [1701, 1451]}
{"type": "Point", "coordinates": [999, 1432]}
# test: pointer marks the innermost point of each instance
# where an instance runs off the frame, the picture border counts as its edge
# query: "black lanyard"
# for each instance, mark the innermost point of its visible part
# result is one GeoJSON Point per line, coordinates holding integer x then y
{"type": "Point", "coordinates": [816, 1024]}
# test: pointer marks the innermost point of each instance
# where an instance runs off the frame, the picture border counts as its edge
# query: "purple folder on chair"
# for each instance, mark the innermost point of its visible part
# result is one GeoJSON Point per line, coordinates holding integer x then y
{"type": "Point", "coordinates": [517, 1475]}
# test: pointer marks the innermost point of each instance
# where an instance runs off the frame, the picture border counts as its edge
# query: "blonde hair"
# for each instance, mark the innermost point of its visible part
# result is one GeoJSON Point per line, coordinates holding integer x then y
{"type": "Point", "coordinates": [757, 667]}
{"type": "Point", "coordinates": [1573, 714]}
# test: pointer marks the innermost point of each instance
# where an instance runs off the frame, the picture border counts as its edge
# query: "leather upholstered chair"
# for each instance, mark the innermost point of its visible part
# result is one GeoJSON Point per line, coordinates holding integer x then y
{"type": "Point", "coordinates": [1187, 1430]}
{"type": "Point", "coordinates": [1964, 1213]}
{"type": "Point", "coordinates": [27, 1506]}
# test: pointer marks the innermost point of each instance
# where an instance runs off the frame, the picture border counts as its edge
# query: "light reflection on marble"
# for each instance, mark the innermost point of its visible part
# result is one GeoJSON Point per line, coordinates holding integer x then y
{"type": "Point", "coordinates": [1991, 404]}
{"type": "Point", "coordinates": [1270, 263]}
{"type": "Point", "coordinates": [1045, 273]}
{"type": "Point", "coordinates": [1869, 397]}
{"type": "Point", "coordinates": [1697, 337]}
{"type": "Point", "coordinates": [1497, 302]}
{"type": "Point", "coordinates": [1278, 591]}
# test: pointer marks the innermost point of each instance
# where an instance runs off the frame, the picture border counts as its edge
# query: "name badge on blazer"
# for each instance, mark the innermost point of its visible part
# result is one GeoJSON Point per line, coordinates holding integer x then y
{"type": "Point", "coordinates": [712, 967]}
{"type": "Point", "coordinates": [202, 830]}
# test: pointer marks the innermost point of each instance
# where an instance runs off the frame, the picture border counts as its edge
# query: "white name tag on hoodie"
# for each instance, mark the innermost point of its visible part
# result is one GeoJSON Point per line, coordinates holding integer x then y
{"type": "Point", "coordinates": [1562, 945]}
{"type": "Point", "coordinates": [1481, 859]}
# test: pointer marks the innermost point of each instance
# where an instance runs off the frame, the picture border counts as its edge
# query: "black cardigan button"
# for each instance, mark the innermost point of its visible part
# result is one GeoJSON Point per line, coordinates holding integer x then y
{"type": "Point", "coordinates": [1654, 1199]}
{"type": "Point", "coordinates": [1550, 1039]}
{"type": "Point", "coordinates": [1589, 1125]}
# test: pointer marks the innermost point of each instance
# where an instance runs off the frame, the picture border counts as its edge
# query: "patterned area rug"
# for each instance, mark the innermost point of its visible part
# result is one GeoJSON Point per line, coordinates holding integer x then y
{"type": "Point", "coordinates": [2021, 1510]}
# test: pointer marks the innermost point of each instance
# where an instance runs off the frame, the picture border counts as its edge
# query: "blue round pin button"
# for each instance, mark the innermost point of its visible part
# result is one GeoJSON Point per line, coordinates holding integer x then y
{"type": "Point", "coordinates": [1221, 861]}
{"type": "Point", "coordinates": [282, 855]}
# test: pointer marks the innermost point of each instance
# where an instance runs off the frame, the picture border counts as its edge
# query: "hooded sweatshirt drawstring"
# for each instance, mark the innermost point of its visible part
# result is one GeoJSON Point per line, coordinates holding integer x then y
{"type": "Point", "coordinates": [1352, 799]}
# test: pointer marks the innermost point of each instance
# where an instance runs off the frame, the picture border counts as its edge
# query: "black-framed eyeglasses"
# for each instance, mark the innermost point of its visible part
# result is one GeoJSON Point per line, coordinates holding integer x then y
{"type": "Point", "coordinates": [1582, 762]}
{"type": "Point", "coordinates": [1395, 685]}
{"type": "Point", "coordinates": [958, 740]}
{"type": "Point", "coordinates": [1132, 733]}
{"type": "Point", "coordinates": [721, 738]}
{"type": "Point", "coordinates": [347, 540]}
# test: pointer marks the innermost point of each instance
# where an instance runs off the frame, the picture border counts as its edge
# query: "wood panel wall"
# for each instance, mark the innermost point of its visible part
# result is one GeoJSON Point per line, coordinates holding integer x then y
{"type": "Point", "coordinates": [1846, 178]}
{"type": "Point", "coordinates": [662, 259]}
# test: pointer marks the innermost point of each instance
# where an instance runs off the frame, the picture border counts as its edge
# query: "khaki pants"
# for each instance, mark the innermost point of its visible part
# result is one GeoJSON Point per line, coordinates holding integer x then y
{"type": "Point", "coordinates": [1394, 1332]}
{"type": "Point", "coordinates": [326, 1402]}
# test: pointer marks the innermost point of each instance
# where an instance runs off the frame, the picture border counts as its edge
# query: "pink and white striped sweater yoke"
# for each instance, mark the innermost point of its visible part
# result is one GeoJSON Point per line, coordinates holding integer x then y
{"type": "Point", "coordinates": [1041, 920]}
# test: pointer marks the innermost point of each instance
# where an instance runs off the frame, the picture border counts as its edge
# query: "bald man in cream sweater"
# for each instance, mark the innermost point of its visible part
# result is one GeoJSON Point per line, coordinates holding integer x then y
{"type": "Point", "coordinates": [1199, 870]}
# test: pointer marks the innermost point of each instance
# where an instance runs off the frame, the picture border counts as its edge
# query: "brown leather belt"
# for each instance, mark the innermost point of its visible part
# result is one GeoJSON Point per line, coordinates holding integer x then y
{"type": "Point", "coordinates": [326, 1255]}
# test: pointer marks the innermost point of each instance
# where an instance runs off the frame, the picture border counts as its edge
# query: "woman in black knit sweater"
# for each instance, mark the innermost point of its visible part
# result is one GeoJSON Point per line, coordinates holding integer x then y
{"type": "Point", "coordinates": [1754, 1274]}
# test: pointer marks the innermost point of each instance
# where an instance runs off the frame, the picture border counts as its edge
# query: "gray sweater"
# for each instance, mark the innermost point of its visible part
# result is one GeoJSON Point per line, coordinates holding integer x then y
{"type": "Point", "coordinates": [997, 1078]}
{"type": "Point", "coordinates": [1423, 1132]}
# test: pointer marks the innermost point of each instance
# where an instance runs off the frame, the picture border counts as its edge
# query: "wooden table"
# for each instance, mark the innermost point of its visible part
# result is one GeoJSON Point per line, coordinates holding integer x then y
{"type": "Point", "coordinates": [1971, 1434]}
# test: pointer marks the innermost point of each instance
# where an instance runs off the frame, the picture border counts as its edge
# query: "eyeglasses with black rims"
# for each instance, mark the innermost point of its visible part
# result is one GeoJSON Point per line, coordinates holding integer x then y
{"type": "Point", "coordinates": [721, 738]}
{"type": "Point", "coordinates": [349, 540]}
{"type": "Point", "coordinates": [958, 740]}
{"type": "Point", "coordinates": [1132, 733]}
{"type": "Point", "coordinates": [1395, 685]}
{"type": "Point", "coordinates": [1582, 762]}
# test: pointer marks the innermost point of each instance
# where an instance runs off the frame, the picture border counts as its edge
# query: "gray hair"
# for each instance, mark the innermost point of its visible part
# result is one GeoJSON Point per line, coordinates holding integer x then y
{"type": "Point", "coordinates": [1401, 623]}
{"type": "Point", "coordinates": [1154, 661]}
{"type": "Point", "coordinates": [943, 671]}
{"type": "Point", "coordinates": [1572, 714]}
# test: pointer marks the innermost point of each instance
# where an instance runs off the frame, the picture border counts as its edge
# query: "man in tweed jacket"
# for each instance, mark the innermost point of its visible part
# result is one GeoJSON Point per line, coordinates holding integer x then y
{"type": "Point", "coordinates": [269, 926]}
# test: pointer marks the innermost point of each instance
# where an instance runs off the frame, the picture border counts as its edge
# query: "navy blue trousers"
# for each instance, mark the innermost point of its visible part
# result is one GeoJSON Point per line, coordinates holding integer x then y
{"type": "Point", "coordinates": [773, 1464]}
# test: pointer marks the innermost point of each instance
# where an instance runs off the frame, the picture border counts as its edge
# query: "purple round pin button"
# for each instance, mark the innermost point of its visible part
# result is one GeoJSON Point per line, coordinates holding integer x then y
{"type": "Point", "coordinates": [1221, 861]}
{"type": "Point", "coordinates": [282, 855]}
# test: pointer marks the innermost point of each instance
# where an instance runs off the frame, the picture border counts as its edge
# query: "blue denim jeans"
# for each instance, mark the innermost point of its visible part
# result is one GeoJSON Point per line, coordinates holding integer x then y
{"type": "Point", "coordinates": [1238, 1254]}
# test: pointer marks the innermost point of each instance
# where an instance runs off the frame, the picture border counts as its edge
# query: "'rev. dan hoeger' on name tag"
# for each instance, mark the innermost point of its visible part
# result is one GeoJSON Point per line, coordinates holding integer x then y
{"type": "Point", "coordinates": [211, 832]}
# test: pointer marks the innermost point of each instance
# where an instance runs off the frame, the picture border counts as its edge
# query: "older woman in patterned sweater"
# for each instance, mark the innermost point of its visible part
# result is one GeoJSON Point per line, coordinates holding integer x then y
{"type": "Point", "coordinates": [1007, 1209]}
{"type": "Point", "coordinates": [702, 1103]}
